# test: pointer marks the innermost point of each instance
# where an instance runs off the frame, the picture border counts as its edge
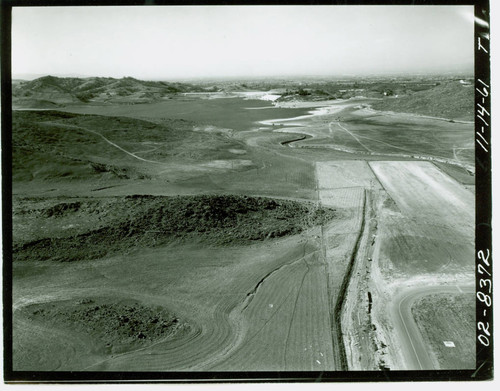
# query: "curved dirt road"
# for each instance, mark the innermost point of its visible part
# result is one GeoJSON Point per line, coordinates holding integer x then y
{"type": "Point", "coordinates": [413, 346]}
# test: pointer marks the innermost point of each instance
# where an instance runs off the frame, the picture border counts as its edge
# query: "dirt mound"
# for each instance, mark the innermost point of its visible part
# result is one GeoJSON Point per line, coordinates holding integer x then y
{"type": "Point", "coordinates": [114, 324]}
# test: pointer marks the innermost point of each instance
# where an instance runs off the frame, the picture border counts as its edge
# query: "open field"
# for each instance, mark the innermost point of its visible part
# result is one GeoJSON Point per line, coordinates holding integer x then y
{"type": "Point", "coordinates": [285, 329]}
{"type": "Point", "coordinates": [344, 174]}
{"type": "Point", "coordinates": [422, 191]}
{"type": "Point", "coordinates": [440, 323]}
{"type": "Point", "coordinates": [212, 232]}
{"type": "Point", "coordinates": [410, 247]}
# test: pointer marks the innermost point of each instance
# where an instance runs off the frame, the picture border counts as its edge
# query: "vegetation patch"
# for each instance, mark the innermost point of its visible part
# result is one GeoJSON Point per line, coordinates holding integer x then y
{"type": "Point", "coordinates": [150, 221]}
{"type": "Point", "coordinates": [114, 325]}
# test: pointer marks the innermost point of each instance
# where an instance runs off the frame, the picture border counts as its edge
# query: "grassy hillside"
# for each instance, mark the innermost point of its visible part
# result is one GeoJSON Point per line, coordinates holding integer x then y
{"type": "Point", "coordinates": [44, 147]}
{"type": "Point", "coordinates": [92, 228]}
{"type": "Point", "coordinates": [50, 91]}
{"type": "Point", "coordinates": [447, 100]}
{"type": "Point", "coordinates": [51, 145]}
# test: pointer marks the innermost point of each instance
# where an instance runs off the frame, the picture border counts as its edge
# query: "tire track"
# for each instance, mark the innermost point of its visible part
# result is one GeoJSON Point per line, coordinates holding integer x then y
{"type": "Point", "coordinates": [272, 328]}
{"type": "Point", "coordinates": [277, 308]}
{"type": "Point", "coordinates": [294, 310]}
{"type": "Point", "coordinates": [251, 294]}
{"type": "Point", "coordinates": [350, 133]}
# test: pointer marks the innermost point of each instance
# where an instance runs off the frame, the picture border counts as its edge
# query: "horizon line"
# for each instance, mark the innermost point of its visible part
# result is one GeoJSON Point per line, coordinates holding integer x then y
{"type": "Point", "coordinates": [30, 76]}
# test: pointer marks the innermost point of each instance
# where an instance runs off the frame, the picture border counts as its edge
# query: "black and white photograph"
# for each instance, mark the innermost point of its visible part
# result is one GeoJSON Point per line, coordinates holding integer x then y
{"type": "Point", "coordinates": [222, 191]}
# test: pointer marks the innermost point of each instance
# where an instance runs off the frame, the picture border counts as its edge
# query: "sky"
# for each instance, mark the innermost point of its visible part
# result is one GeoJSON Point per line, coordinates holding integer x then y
{"type": "Point", "coordinates": [161, 43]}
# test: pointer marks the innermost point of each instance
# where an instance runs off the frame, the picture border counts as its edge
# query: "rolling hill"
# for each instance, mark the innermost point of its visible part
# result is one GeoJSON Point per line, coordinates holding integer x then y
{"type": "Point", "coordinates": [450, 99]}
{"type": "Point", "coordinates": [51, 91]}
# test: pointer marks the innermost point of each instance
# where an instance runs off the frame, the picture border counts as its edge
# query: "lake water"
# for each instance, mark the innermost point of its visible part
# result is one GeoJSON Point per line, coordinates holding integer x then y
{"type": "Point", "coordinates": [231, 113]}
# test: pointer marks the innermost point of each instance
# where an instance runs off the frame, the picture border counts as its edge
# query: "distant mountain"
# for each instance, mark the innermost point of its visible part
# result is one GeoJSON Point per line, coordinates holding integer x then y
{"type": "Point", "coordinates": [32, 76]}
{"type": "Point", "coordinates": [51, 91]}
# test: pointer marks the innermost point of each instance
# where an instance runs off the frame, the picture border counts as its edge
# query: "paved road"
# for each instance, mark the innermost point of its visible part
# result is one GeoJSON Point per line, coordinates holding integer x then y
{"type": "Point", "coordinates": [413, 347]}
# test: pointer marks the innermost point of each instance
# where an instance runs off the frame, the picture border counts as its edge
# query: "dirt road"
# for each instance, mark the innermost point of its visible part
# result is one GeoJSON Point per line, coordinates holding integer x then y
{"type": "Point", "coordinates": [66, 126]}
